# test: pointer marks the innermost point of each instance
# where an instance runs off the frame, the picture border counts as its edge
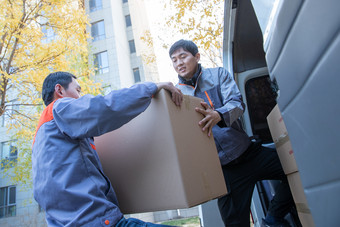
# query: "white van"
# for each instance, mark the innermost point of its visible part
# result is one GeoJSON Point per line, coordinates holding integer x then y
{"type": "Point", "coordinates": [287, 52]}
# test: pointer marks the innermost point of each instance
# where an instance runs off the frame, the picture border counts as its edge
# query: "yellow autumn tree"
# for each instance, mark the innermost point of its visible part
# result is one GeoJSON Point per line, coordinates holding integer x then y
{"type": "Point", "coordinates": [202, 22]}
{"type": "Point", "coordinates": [148, 56]}
{"type": "Point", "coordinates": [36, 37]}
{"type": "Point", "coordinates": [198, 20]}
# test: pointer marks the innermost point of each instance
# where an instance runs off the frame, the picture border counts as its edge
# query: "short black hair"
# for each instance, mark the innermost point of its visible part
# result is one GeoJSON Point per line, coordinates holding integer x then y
{"type": "Point", "coordinates": [187, 45]}
{"type": "Point", "coordinates": [62, 78]}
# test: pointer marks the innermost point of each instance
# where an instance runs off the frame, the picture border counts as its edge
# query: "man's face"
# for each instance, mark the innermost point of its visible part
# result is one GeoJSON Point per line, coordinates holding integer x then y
{"type": "Point", "coordinates": [73, 90]}
{"type": "Point", "coordinates": [184, 63]}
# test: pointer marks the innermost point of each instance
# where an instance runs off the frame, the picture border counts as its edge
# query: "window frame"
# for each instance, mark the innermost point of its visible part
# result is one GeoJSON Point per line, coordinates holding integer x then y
{"type": "Point", "coordinates": [100, 69]}
{"type": "Point", "coordinates": [12, 107]}
{"type": "Point", "coordinates": [7, 204]}
{"type": "Point", "coordinates": [96, 7]}
{"type": "Point", "coordinates": [132, 46]}
{"type": "Point", "coordinates": [258, 120]}
{"type": "Point", "coordinates": [98, 36]}
{"type": "Point", "coordinates": [134, 75]}
{"type": "Point", "coordinates": [128, 22]}
{"type": "Point", "coordinates": [12, 159]}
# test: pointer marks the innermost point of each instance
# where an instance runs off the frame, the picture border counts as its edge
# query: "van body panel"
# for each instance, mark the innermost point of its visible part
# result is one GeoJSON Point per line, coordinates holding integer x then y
{"type": "Point", "coordinates": [312, 120]}
{"type": "Point", "coordinates": [312, 31]}
{"type": "Point", "coordinates": [283, 23]}
{"type": "Point", "coordinates": [302, 59]}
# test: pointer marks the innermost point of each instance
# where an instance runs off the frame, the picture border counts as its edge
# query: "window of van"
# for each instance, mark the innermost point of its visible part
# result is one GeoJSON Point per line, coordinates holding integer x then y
{"type": "Point", "coordinates": [261, 99]}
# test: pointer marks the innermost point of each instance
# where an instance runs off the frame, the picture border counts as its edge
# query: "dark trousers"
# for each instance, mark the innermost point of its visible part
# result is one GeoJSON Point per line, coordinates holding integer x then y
{"type": "Point", "coordinates": [257, 163]}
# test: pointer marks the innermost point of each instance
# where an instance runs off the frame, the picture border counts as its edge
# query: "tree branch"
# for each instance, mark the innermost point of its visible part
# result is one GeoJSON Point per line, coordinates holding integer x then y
{"type": "Point", "coordinates": [25, 104]}
{"type": "Point", "coordinates": [3, 94]}
{"type": "Point", "coordinates": [22, 114]}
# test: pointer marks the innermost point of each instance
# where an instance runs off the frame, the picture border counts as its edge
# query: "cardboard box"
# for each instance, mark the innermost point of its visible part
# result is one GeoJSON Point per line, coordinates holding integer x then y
{"type": "Point", "coordinates": [162, 160]}
{"type": "Point", "coordinates": [281, 139]}
{"type": "Point", "coordinates": [299, 197]}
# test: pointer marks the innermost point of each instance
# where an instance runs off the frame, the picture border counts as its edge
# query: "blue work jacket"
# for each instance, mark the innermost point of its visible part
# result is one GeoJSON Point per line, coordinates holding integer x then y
{"type": "Point", "coordinates": [217, 87]}
{"type": "Point", "coordinates": [69, 183]}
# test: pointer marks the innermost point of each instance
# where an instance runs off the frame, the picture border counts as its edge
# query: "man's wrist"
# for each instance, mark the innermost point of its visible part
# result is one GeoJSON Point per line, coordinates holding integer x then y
{"type": "Point", "coordinates": [221, 123]}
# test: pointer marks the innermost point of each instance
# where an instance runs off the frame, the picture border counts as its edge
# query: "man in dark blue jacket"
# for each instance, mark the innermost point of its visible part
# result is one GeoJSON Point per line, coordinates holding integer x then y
{"type": "Point", "coordinates": [68, 179]}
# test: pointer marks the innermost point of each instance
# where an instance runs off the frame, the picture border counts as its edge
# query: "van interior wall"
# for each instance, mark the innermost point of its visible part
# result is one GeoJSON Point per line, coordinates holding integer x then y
{"type": "Point", "coordinates": [248, 50]}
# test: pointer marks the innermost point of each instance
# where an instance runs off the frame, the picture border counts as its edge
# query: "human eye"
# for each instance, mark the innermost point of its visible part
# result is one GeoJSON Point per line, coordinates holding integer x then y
{"type": "Point", "coordinates": [183, 56]}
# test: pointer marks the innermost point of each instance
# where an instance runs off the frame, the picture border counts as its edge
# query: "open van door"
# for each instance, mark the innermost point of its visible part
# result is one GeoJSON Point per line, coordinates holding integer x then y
{"type": "Point", "coordinates": [244, 57]}
{"type": "Point", "coordinates": [288, 52]}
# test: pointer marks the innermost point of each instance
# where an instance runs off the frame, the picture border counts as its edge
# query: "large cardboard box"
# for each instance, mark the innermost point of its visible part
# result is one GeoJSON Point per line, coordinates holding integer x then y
{"type": "Point", "coordinates": [281, 139]}
{"type": "Point", "coordinates": [162, 160]}
{"type": "Point", "coordinates": [299, 196]}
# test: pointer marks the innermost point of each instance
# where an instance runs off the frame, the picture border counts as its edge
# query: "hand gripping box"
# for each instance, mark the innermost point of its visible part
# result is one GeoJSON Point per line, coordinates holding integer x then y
{"type": "Point", "coordinates": [161, 159]}
{"type": "Point", "coordinates": [281, 139]}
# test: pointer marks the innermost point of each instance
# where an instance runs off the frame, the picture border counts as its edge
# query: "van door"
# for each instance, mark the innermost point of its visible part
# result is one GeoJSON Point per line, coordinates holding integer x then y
{"type": "Point", "coordinates": [244, 57]}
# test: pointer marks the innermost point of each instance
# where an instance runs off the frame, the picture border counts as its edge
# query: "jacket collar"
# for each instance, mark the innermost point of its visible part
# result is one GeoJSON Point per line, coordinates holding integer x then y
{"type": "Point", "coordinates": [193, 80]}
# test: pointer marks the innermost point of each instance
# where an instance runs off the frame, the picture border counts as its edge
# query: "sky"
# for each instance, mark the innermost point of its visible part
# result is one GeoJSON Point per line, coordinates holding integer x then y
{"type": "Point", "coordinates": [156, 15]}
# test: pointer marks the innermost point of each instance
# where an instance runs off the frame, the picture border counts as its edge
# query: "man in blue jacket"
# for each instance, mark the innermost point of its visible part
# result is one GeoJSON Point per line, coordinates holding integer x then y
{"type": "Point", "coordinates": [69, 183]}
{"type": "Point", "coordinates": [243, 161]}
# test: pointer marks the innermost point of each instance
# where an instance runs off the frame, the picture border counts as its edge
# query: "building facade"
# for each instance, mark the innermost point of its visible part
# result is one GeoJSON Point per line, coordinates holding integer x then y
{"type": "Point", "coordinates": [17, 206]}
{"type": "Point", "coordinates": [117, 52]}
{"type": "Point", "coordinates": [116, 46]}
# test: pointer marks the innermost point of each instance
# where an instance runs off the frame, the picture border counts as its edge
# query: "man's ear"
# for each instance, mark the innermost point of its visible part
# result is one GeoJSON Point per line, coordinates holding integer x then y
{"type": "Point", "coordinates": [59, 91]}
{"type": "Point", "coordinates": [198, 57]}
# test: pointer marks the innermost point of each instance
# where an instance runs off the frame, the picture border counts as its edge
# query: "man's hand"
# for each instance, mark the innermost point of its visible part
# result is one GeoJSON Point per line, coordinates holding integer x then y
{"type": "Point", "coordinates": [211, 117]}
{"type": "Point", "coordinates": [176, 94]}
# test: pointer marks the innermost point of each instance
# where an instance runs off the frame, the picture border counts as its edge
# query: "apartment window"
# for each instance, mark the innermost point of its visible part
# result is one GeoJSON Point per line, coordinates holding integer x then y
{"type": "Point", "coordinates": [132, 46]}
{"type": "Point", "coordinates": [101, 62]}
{"type": "Point", "coordinates": [107, 89]}
{"type": "Point", "coordinates": [2, 120]}
{"type": "Point", "coordinates": [12, 108]}
{"type": "Point", "coordinates": [98, 30]}
{"type": "Point", "coordinates": [136, 75]}
{"type": "Point", "coordinates": [7, 201]}
{"type": "Point", "coordinates": [260, 97]}
{"type": "Point", "coordinates": [128, 20]}
{"type": "Point", "coordinates": [9, 154]}
{"type": "Point", "coordinates": [95, 5]}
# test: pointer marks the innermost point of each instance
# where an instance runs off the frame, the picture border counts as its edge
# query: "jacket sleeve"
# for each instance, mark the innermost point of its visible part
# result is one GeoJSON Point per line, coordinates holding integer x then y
{"type": "Point", "coordinates": [91, 116]}
{"type": "Point", "coordinates": [233, 105]}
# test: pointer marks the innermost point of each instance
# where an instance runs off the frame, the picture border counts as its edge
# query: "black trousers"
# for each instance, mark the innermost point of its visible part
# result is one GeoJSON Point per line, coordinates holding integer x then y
{"type": "Point", "coordinates": [255, 164]}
